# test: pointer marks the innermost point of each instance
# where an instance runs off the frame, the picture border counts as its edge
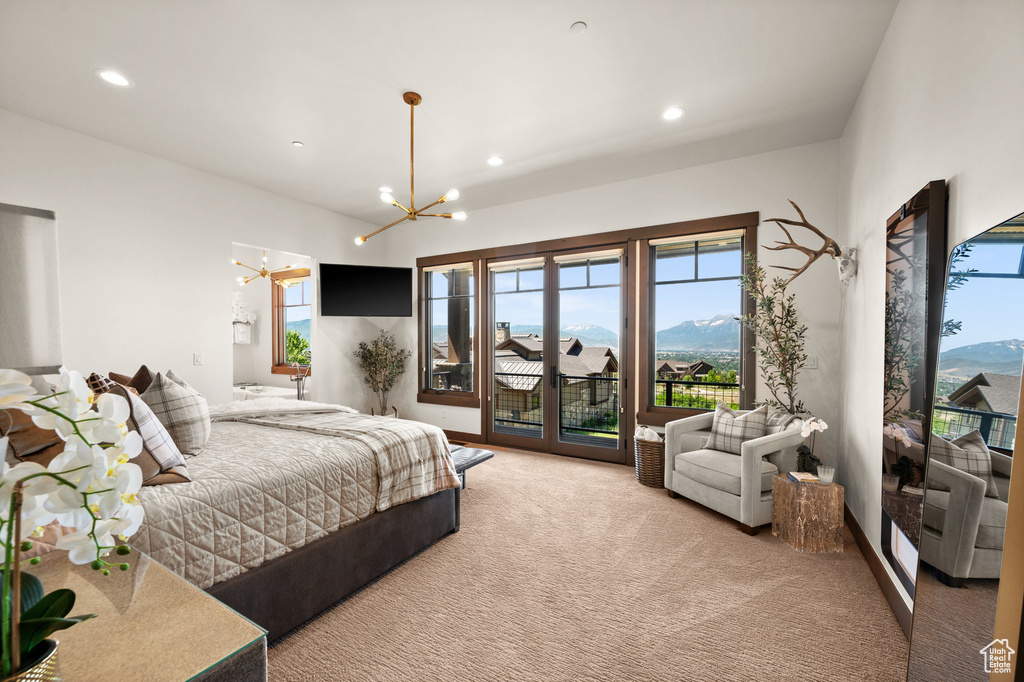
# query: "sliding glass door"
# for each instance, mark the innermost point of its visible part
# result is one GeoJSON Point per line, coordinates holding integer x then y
{"type": "Point", "coordinates": [556, 323]}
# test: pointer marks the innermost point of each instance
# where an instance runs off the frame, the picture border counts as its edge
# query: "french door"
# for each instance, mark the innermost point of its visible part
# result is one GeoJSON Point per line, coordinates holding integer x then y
{"type": "Point", "coordinates": [555, 343]}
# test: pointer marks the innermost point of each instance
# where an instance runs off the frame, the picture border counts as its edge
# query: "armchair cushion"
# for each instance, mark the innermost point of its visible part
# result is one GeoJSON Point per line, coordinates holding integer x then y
{"type": "Point", "coordinates": [969, 454]}
{"type": "Point", "coordinates": [729, 430]}
{"type": "Point", "coordinates": [720, 470]}
{"type": "Point", "coordinates": [991, 526]}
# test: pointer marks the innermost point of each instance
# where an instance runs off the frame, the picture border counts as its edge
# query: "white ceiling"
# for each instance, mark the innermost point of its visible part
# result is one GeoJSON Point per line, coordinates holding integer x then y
{"type": "Point", "coordinates": [226, 85]}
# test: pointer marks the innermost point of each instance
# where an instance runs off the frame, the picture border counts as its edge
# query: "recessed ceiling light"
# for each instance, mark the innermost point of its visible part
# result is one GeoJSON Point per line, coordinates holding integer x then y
{"type": "Point", "coordinates": [672, 113]}
{"type": "Point", "coordinates": [113, 77]}
{"type": "Point", "coordinates": [296, 143]}
{"type": "Point", "coordinates": [385, 189]}
{"type": "Point", "coordinates": [578, 28]}
{"type": "Point", "coordinates": [495, 161]}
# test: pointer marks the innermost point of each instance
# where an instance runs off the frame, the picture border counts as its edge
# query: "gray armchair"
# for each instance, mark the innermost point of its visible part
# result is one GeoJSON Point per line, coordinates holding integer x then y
{"type": "Point", "coordinates": [739, 486]}
{"type": "Point", "coordinates": [962, 530]}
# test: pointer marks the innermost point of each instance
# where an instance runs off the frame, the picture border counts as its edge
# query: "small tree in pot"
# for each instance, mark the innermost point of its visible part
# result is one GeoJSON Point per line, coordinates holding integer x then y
{"type": "Point", "coordinates": [382, 362]}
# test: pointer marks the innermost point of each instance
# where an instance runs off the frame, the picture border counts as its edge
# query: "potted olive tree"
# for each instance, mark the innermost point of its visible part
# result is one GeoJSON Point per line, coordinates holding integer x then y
{"type": "Point", "coordinates": [382, 362]}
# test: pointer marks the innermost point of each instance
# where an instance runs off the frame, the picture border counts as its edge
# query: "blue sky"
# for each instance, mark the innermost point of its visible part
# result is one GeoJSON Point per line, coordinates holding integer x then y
{"type": "Point", "coordinates": [991, 309]}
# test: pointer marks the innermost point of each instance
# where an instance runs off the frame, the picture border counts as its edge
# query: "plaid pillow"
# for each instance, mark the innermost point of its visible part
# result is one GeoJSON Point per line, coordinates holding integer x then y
{"type": "Point", "coordinates": [99, 384]}
{"type": "Point", "coordinates": [968, 453]}
{"type": "Point", "coordinates": [160, 460]}
{"type": "Point", "coordinates": [777, 420]}
{"type": "Point", "coordinates": [730, 430]}
{"type": "Point", "coordinates": [182, 410]}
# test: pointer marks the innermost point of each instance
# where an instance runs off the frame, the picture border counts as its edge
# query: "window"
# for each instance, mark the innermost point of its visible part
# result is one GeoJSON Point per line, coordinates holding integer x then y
{"type": "Point", "coordinates": [696, 297]}
{"type": "Point", "coordinates": [292, 309]}
{"type": "Point", "coordinates": [447, 335]}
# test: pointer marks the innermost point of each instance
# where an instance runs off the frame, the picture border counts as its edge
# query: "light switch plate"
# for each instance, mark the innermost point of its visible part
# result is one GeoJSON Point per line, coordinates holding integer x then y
{"type": "Point", "coordinates": [812, 362]}
{"type": "Point", "coordinates": [197, 358]}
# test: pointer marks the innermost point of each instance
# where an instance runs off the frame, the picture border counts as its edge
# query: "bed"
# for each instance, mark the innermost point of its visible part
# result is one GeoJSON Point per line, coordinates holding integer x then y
{"type": "Point", "coordinates": [293, 505]}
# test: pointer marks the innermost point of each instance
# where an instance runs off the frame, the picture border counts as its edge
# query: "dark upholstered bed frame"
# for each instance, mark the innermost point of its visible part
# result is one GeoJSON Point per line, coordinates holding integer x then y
{"type": "Point", "coordinates": [289, 590]}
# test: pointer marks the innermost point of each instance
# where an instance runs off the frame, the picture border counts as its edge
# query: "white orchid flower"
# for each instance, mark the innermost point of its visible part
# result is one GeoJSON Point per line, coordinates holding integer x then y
{"type": "Point", "coordinates": [15, 387]}
{"type": "Point", "coordinates": [80, 546]}
{"type": "Point", "coordinates": [129, 448]}
{"type": "Point", "coordinates": [126, 481]}
{"type": "Point", "coordinates": [113, 412]}
{"type": "Point", "coordinates": [73, 399]}
{"type": "Point", "coordinates": [129, 521]}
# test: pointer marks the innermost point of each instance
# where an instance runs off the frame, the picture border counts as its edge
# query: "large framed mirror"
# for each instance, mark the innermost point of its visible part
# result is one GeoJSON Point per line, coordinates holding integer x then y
{"type": "Point", "coordinates": [915, 267]}
{"type": "Point", "coordinates": [969, 457]}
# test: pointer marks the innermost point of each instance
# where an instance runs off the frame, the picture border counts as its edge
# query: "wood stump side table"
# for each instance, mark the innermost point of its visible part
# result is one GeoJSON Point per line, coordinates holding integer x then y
{"type": "Point", "coordinates": [808, 516]}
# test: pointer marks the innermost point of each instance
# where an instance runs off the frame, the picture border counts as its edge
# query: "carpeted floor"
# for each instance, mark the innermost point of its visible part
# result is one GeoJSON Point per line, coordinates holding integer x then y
{"type": "Point", "coordinates": [570, 570]}
{"type": "Point", "coordinates": [951, 625]}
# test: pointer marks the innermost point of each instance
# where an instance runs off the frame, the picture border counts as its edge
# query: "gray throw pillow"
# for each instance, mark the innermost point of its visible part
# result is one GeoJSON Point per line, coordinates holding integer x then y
{"type": "Point", "coordinates": [730, 430]}
{"type": "Point", "coordinates": [778, 420]}
{"type": "Point", "coordinates": [969, 454]}
{"type": "Point", "coordinates": [182, 410]}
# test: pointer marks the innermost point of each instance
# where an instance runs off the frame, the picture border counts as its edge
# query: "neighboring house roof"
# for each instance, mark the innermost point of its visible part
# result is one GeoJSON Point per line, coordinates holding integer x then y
{"type": "Point", "coordinates": [1000, 392]}
{"type": "Point", "coordinates": [587, 361]}
{"type": "Point", "coordinates": [527, 374]}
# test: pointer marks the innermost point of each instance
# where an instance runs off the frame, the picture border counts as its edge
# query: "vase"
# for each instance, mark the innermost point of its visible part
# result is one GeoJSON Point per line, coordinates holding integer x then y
{"type": "Point", "coordinates": [384, 414]}
{"type": "Point", "coordinates": [43, 670]}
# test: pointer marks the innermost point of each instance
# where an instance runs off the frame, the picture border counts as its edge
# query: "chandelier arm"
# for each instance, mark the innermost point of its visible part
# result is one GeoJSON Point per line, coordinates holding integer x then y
{"type": "Point", "coordinates": [434, 215]}
{"type": "Point", "coordinates": [395, 203]}
{"type": "Point", "coordinates": [246, 266]}
{"type": "Point", "coordinates": [405, 217]}
{"type": "Point", "coordinates": [439, 201]}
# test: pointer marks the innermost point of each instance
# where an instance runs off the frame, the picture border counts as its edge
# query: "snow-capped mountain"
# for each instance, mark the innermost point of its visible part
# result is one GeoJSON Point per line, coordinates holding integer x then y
{"type": "Point", "coordinates": [722, 332]}
{"type": "Point", "coordinates": [1000, 357]}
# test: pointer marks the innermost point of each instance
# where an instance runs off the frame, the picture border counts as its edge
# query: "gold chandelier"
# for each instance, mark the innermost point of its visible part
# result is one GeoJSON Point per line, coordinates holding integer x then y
{"type": "Point", "coordinates": [263, 272]}
{"type": "Point", "coordinates": [413, 213]}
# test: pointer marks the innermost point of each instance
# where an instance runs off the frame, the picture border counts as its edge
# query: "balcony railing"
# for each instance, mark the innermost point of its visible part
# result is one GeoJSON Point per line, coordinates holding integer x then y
{"type": "Point", "coordinates": [588, 407]}
{"type": "Point", "coordinates": [996, 428]}
{"type": "Point", "coordinates": [698, 395]}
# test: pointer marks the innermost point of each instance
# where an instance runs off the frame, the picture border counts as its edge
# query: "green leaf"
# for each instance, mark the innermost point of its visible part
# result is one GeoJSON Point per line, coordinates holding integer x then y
{"type": "Point", "coordinates": [57, 604]}
{"type": "Point", "coordinates": [31, 591]}
{"type": "Point", "coordinates": [34, 631]}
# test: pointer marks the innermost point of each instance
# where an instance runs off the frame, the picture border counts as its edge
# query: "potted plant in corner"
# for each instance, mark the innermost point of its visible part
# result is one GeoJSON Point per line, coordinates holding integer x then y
{"type": "Point", "coordinates": [91, 487]}
{"type": "Point", "coordinates": [382, 362]}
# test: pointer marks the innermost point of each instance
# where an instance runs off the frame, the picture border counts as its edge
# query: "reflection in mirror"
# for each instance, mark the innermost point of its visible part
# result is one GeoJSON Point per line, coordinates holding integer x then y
{"type": "Point", "coordinates": [974, 416]}
{"type": "Point", "coordinates": [915, 256]}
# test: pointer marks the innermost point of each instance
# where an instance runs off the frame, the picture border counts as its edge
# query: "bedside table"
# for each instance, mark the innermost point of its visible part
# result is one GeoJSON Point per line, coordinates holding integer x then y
{"type": "Point", "coordinates": [808, 516]}
{"type": "Point", "coordinates": [150, 625]}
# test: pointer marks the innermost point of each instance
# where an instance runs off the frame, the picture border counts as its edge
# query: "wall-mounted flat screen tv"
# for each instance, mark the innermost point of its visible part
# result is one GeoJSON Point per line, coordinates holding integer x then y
{"type": "Point", "coordinates": [364, 290]}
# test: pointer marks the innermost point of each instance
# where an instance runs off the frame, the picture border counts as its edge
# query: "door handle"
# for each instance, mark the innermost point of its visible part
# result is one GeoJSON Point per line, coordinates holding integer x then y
{"type": "Point", "coordinates": [554, 376]}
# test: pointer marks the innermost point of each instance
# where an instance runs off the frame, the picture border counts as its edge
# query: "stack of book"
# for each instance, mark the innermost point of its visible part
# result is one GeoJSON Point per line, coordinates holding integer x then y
{"type": "Point", "coordinates": [802, 477]}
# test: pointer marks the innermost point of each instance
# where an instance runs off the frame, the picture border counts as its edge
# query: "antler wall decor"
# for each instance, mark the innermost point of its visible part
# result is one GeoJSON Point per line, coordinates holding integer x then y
{"type": "Point", "coordinates": [829, 245]}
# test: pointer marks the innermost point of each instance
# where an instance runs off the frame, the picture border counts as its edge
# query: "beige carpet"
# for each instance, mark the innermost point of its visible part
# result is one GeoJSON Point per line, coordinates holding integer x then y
{"type": "Point", "coordinates": [951, 625]}
{"type": "Point", "coordinates": [570, 570]}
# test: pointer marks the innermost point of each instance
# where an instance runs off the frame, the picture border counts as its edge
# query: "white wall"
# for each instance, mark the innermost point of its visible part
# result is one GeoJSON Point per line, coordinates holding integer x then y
{"type": "Point", "coordinates": [145, 250]}
{"type": "Point", "coordinates": [942, 101]}
{"type": "Point", "coordinates": [808, 175]}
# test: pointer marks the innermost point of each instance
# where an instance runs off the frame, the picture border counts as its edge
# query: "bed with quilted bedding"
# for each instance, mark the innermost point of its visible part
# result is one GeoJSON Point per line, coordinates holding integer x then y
{"type": "Point", "coordinates": [277, 476]}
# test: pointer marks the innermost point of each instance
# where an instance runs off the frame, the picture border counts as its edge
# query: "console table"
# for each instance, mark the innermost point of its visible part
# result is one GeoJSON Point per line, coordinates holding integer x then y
{"type": "Point", "coordinates": [808, 516]}
{"type": "Point", "coordinates": [150, 625]}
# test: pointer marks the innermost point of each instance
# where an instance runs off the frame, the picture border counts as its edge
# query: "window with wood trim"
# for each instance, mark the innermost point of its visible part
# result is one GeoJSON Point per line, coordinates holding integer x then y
{"type": "Point", "coordinates": [448, 343]}
{"type": "Point", "coordinates": [696, 299]}
{"type": "Point", "coordinates": [292, 311]}
{"type": "Point", "coordinates": [694, 352]}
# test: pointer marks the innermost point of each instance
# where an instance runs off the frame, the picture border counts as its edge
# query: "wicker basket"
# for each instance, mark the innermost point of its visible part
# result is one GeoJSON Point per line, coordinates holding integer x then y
{"type": "Point", "coordinates": [650, 462]}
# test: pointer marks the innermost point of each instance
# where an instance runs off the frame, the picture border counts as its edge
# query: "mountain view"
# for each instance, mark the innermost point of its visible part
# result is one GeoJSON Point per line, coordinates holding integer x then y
{"type": "Point", "coordinates": [721, 333]}
{"type": "Point", "coordinates": [301, 326]}
{"type": "Point", "coordinates": [1000, 357]}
